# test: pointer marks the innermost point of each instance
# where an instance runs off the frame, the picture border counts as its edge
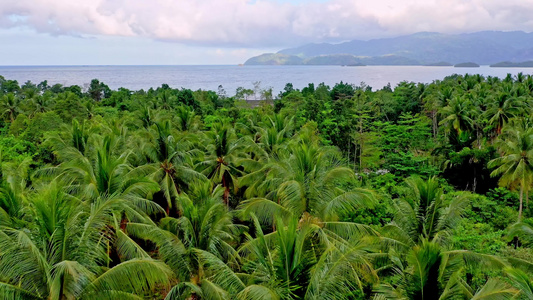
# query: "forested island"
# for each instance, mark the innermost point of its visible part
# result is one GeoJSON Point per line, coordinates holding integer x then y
{"type": "Point", "coordinates": [466, 65]}
{"type": "Point", "coordinates": [418, 191]}
{"type": "Point", "coordinates": [421, 48]}
{"type": "Point", "coordinates": [507, 64]}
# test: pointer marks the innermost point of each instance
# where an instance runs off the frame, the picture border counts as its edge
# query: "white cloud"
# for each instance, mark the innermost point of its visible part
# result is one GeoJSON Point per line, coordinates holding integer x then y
{"type": "Point", "coordinates": [263, 22]}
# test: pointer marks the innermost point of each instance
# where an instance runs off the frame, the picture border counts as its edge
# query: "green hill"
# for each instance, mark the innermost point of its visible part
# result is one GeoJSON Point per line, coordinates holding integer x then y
{"type": "Point", "coordinates": [508, 64]}
{"type": "Point", "coordinates": [423, 48]}
{"type": "Point", "coordinates": [274, 59]}
{"type": "Point", "coordinates": [466, 65]}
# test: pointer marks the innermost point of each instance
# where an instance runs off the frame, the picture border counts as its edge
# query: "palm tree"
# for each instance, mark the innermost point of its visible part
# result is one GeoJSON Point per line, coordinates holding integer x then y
{"type": "Point", "coordinates": [523, 230]}
{"type": "Point", "coordinates": [522, 282]}
{"type": "Point", "coordinates": [432, 272]}
{"type": "Point", "coordinates": [146, 116]}
{"type": "Point", "coordinates": [503, 108]}
{"type": "Point", "coordinates": [187, 119]}
{"type": "Point", "coordinates": [41, 103]}
{"type": "Point", "coordinates": [171, 161]}
{"type": "Point", "coordinates": [458, 115]}
{"type": "Point", "coordinates": [224, 157]}
{"type": "Point", "coordinates": [274, 133]}
{"type": "Point", "coordinates": [306, 181]}
{"type": "Point", "coordinates": [206, 224]}
{"type": "Point", "coordinates": [528, 84]}
{"type": "Point", "coordinates": [9, 105]}
{"type": "Point", "coordinates": [104, 174]}
{"type": "Point", "coordinates": [13, 193]}
{"type": "Point", "coordinates": [516, 162]}
{"type": "Point", "coordinates": [75, 136]}
{"type": "Point", "coordinates": [64, 253]}
{"type": "Point", "coordinates": [417, 242]}
{"type": "Point", "coordinates": [424, 215]}
{"type": "Point", "coordinates": [165, 99]}
{"type": "Point", "coordinates": [198, 245]}
{"type": "Point", "coordinates": [298, 261]}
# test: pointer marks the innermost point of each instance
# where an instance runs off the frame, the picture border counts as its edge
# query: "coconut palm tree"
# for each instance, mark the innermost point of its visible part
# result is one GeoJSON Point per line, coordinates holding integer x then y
{"type": "Point", "coordinates": [10, 106]}
{"type": "Point", "coordinates": [171, 160]}
{"type": "Point", "coordinates": [522, 282]}
{"type": "Point", "coordinates": [274, 133]}
{"type": "Point", "coordinates": [146, 116]}
{"type": "Point", "coordinates": [307, 180]}
{"type": "Point", "coordinates": [523, 230]}
{"type": "Point", "coordinates": [198, 245]}
{"type": "Point", "coordinates": [42, 103]}
{"type": "Point", "coordinates": [432, 272]}
{"type": "Point", "coordinates": [420, 252]}
{"type": "Point", "coordinates": [503, 108]}
{"type": "Point", "coordinates": [104, 174]}
{"type": "Point", "coordinates": [187, 119]}
{"type": "Point", "coordinates": [13, 193]}
{"type": "Point", "coordinates": [64, 253]}
{"type": "Point", "coordinates": [457, 115]}
{"type": "Point", "coordinates": [205, 223]}
{"type": "Point", "coordinates": [516, 162]}
{"type": "Point", "coordinates": [298, 261]}
{"type": "Point", "coordinates": [224, 156]}
{"type": "Point", "coordinates": [75, 136]}
{"type": "Point", "coordinates": [424, 215]}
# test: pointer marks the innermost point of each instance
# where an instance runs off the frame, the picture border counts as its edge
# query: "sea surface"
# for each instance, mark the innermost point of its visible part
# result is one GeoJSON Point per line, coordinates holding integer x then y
{"type": "Point", "coordinates": [232, 77]}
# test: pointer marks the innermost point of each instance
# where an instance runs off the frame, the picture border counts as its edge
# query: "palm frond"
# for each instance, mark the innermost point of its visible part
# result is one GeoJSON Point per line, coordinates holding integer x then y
{"type": "Point", "coordinates": [136, 276]}
{"type": "Point", "coordinates": [495, 290]}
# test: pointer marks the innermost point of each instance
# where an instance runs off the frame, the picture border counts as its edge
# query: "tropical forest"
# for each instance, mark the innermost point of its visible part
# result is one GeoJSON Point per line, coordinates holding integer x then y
{"type": "Point", "coordinates": [415, 191]}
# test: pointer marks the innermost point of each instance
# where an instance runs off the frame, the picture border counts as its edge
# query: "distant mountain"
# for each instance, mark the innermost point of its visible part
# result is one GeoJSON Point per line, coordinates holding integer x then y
{"type": "Point", "coordinates": [467, 65]}
{"type": "Point", "coordinates": [274, 59]}
{"type": "Point", "coordinates": [439, 64]}
{"type": "Point", "coordinates": [424, 48]}
{"type": "Point", "coordinates": [508, 64]}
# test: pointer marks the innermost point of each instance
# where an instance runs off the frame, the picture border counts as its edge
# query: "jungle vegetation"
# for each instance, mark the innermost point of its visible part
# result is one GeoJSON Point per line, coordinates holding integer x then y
{"type": "Point", "coordinates": [420, 191]}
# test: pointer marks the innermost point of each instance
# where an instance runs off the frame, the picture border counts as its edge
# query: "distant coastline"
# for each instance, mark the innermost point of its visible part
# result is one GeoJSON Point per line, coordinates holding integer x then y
{"type": "Point", "coordinates": [466, 65]}
{"type": "Point", "coordinates": [507, 64]}
{"type": "Point", "coordinates": [347, 60]}
{"type": "Point", "coordinates": [494, 48]}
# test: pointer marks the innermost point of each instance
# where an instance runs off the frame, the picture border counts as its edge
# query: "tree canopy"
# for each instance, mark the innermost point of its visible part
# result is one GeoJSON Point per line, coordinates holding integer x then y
{"type": "Point", "coordinates": [419, 191]}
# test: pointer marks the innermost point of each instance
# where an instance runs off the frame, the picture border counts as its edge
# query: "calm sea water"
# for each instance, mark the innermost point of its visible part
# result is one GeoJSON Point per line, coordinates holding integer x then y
{"type": "Point", "coordinates": [232, 77]}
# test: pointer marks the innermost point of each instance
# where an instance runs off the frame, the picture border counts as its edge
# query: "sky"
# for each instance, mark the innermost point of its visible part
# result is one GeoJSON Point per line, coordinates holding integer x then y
{"type": "Point", "coordinates": [189, 32]}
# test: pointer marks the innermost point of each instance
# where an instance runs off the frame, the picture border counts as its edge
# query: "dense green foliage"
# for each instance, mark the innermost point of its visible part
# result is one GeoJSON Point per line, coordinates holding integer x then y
{"type": "Point", "coordinates": [421, 192]}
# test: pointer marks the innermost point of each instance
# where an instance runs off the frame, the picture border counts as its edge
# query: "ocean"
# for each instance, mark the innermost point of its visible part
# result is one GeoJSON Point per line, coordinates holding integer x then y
{"type": "Point", "coordinates": [233, 77]}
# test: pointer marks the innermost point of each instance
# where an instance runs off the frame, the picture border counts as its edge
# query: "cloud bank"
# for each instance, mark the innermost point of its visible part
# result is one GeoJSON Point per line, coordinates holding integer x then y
{"type": "Point", "coordinates": [262, 23]}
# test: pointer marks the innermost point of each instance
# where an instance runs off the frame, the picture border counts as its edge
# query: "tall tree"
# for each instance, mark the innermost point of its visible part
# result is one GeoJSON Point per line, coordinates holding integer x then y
{"type": "Point", "coordinates": [457, 115]}
{"type": "Point", "coordinates": [515, 165]}
{"type": "Point", "coordinates": [198, 245]}
{"type": "Point", "coordinates": [308, 180]}
{"type": "Point", "coordinates": [424, 215]}
{"type": "Point", "coordinates": [222, 164]}
{"type": "Point", "coordinates": [503, 108]}
{"type": "Point", "coordinates": [64, 253]}
{"type": "Point", "coordinates": [10, 106]}
{"type": "Point", "coordinates": [432, 272]}
{"type": "Point", "coordinates": [171, 157]}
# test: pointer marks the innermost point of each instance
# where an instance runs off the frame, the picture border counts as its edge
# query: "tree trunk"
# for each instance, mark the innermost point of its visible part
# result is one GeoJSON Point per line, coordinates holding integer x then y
{"type": "Point", "coordinates": [435, 124]}
{"type": "Point", "coordinates": [225, 197]}
{"type": "Point", "coordinates": [349, 147]}
{"type": "Point", "coordinates": [521, 201]}
{"type": "Point", "coordinates": [361, 144]}
{"type": "Point", "coordinates": [354, 156]}
{"type": "Point", "coordinates": [478, 133]}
